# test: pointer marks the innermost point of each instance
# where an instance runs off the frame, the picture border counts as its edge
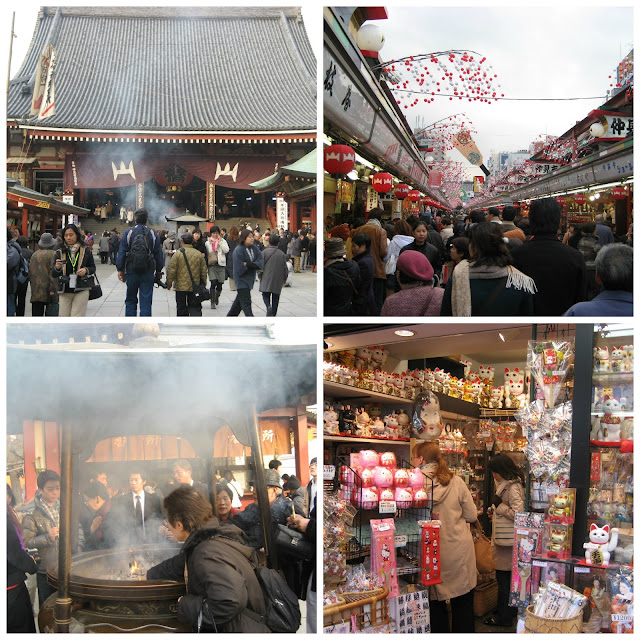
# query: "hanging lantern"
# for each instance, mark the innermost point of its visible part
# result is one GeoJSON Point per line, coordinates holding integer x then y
{"type": "Point", "coordinates": [561, 201]}
{"type": "Point", "coordinates": [339, 159]}
{"type": "Point", "coordinates": [580, 198]}
{"type": "Point", "coordinates": [619, 193]}
{"type": "Point", "coordinates": [413, 195]}
{"type": "Point", "coordinates": [382, 182]}
{"type": "Point", "coordinates": [401, 191]}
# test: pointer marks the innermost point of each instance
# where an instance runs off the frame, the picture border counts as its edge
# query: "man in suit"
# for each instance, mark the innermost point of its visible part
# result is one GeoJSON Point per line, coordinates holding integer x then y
{"type": "Point", "coordinates": [182, 475]}
{"type": "Point", "coordinates": [311, 487]}
{"type": "Point", "coordinates": [136, 516]}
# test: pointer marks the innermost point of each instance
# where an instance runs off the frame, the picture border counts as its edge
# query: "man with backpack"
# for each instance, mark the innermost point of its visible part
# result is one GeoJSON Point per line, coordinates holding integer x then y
{"type": "Point", "coordinates": [139, 264]}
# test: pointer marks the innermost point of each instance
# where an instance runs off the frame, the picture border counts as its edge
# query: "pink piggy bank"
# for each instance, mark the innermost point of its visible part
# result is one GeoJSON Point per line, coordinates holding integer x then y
{"type": "Point", "coordinates": [386, 494]}
{"type": "Point", "coordinates": [382, 477]}
{"type": "Point", "coordinates": [401, 478]}
{"type": "Point", "coordinates": [365, 479]}
{"type": "Point", "coordinates": [369, 459]}
{"type": "Point", "coordinates": [366, 498]}
{"type": "Point", "coordinates": [388, 460]}
{"type": "Point", "coordinates": [420, 498]}
{"type": "Point", "coordinates": [404, 497]}
{"type": "Point", "coordinates": [416, 478]}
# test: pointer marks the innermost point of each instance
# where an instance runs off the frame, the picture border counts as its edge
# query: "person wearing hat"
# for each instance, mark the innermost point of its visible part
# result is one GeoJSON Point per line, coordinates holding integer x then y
{"type": "Point", "coordinates": [417, 296]}
{"type": "Point", "coordinates": [296, 492]}
{"type": "Point", "coordinates": [341, 279]}
{"type": "Point", "coordinates": [186, 267]}
{"type": "Point", "coordinates": [44, 287]}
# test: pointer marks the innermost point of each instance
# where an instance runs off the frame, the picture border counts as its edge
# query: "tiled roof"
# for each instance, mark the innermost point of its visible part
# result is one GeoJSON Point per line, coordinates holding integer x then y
{"type": "Point", "coordinates": [191, 69]}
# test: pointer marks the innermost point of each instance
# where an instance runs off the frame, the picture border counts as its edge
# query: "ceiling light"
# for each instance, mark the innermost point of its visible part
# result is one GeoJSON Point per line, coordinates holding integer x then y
{"type": "Point", "coordinates": [405, 333]}
{"type": "Point", "coordinates": [501, 337]}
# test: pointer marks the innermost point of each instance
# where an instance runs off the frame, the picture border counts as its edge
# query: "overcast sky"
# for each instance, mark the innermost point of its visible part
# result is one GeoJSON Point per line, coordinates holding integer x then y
{"type": "Point", "coordinates": [537, 52]}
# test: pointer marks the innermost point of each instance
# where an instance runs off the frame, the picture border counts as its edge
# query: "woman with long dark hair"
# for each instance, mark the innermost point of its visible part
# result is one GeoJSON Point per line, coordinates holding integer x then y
{"type": "Point", "coordinates": [19, 609]}
{"type": "Point", "coordinates": [73, 266]}
{"type": "Point", "coordinates": [456, 510]}
{"type": "Point", "coordinates": [508, 498]}
{"type": "Point", "coordinates": [487, 284]}
{"type": "Point", "coordinates": [247, 261]}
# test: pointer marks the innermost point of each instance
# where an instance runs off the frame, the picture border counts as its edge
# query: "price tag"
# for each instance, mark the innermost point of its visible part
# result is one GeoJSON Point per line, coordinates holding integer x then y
{"type": "Point", "coordinates": [539, 563]}
{"type": "Point", "coordinates": [401, 541]}
{"type": "Point", "coordinates": [328, 472]}
{"type": "Point", "coordinates": [387, 506]}
{"type": "Point", "coordinates": [581, 570]}
{"type": "Point", "coordinates": [553, 489]}
{"type": "Point", "coordinates": [621, 617]}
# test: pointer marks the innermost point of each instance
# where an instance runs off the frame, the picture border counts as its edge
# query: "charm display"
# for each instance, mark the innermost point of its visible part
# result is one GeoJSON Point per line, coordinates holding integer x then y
{"type": "Point", "coordinates": [524, 548]}
{"type": "Point", "coordinates": [430, 552]}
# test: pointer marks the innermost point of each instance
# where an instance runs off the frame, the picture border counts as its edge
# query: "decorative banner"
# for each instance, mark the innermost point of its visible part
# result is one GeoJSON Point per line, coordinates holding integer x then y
{"type": "Point", "coordinates": [435, 179]}
{"type": "Point", "coordinates": [83, 171]}
{"type": "Point", "coordinates": [43, 102]}
{"type": "Point", "coordinates": [467, 147]}
{"type": "Point", "coordinates": [478, 183]}
{"type": "Point", "coordinates": [176, 175]}
{"type": "Point", "coordinates": [282, 209]}
{"type": "Point", "coordinates": [372, 199]}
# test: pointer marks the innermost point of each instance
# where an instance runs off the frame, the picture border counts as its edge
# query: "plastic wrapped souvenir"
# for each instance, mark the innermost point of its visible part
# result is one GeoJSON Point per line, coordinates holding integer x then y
{"type": "Point", "coordinates": [426, 416]}
{"type": "Point", "coordinates": [549, 362]}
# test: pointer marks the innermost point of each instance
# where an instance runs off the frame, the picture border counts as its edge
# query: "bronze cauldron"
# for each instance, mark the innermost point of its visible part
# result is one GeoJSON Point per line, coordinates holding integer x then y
{"type": "Point", "coordinates": [110, 595]}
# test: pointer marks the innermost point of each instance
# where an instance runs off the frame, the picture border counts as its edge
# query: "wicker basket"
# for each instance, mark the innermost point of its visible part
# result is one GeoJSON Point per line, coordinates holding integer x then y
{"type": "Point", "coordinates": [370, 608]}
{"type": "Point", "coordinates": [485, 598]}
{"type": "Point", "coordinates": [536, 624]}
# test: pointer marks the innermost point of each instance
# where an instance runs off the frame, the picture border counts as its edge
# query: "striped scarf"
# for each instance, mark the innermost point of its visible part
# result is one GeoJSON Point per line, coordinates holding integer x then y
{"type": "Point", "coordinates": [53, 512]}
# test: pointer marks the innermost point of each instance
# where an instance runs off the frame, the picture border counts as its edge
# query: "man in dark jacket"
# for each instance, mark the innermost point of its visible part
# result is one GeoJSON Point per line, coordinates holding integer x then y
{"type": "Point", "coordinates": [341, 279]}
{"type": "Point", "coordinates": [96, 495]}
{"type": "Point", "coordinates": [364, 303]}
{"type": "Point", "coordinates": [222, 585]}
{"type": "Point", "coordinates": [558, 270]}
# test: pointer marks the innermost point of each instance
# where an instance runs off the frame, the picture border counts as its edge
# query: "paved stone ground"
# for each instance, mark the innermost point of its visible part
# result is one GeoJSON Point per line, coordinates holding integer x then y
{"type": "Point", "coordinates": [299, 300]}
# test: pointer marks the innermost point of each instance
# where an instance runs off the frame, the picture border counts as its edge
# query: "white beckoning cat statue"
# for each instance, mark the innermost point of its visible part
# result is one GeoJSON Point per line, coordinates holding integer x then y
{"type": "Point", "coordinates": [598, 550]}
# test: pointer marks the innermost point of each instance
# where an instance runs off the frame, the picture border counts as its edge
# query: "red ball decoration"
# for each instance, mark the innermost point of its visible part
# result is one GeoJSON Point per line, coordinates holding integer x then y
{"type": "Point", "coordinates": [339, 159]}
{"type": "Point", "coordinates": [382, 182]}
{"type": "Point", "coordinates": [619, 193]}
{"type": "Point", "coordinates": [401, 191]}
{"type": "Point", "coordinates": [580, 198]}
{"type": "Point", "coordinates": [413, 195]}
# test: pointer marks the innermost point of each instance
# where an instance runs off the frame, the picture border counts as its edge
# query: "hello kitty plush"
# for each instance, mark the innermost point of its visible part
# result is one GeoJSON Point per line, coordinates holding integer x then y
{"type": "Point", "coordinates": [599, 547]}
{"type": "Point", "coordinates": [601, 359]}
{"type": "Point", "coordinates": [388, 460]}
{"type": "Point", "coordinates": [426, 422]}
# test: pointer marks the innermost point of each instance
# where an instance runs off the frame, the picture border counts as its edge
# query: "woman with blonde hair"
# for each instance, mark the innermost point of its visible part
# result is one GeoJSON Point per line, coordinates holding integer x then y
{"type": "Point", "coordinates": [454, 507]}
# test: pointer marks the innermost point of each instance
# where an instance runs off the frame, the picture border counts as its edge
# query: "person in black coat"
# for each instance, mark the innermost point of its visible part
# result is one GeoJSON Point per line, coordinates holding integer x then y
{"type": "Point", "coordinates": [19, 609]}
{"type": "Point", "coordinates": [341, 279]}
{"type": "Point", "coordinates": [364, 303]}
{"type": "Point", "coordinates": [559, 271]}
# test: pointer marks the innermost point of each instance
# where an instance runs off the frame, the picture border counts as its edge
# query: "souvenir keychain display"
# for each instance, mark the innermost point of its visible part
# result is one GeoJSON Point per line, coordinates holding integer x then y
{"type": "Point", "coordinates": [549, 364]}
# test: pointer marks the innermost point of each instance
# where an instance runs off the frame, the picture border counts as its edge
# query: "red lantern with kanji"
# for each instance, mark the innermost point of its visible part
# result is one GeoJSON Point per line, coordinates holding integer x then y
{"type": "Point", "coordinates": [339, 159]}
{"type": "Point", "coordinates": [382, 182]}
{"type": "Point", "coordinates": [619, 193]}
{"type": "Point", "coordinates": [580, 198]}
{"type": "Point", "coordinates": [413, 195]}
{"type": "Point", "coordinates": [561, 201]}
{"type": "Point", "coordinates": [401, 191]}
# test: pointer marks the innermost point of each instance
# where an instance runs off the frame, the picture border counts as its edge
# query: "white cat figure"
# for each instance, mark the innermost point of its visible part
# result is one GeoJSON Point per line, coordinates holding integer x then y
{"type": "Point", "coordinates": [363, 358]}
{"type": "Point", "coordinates": [617, 359]}
{"type": "Point", "coordinates": [601, 359]}
{"type": "Point", "coordinates": [596, 433]}
{"type": "Point", "coordinates": [486, 373]}
{"type": "Point", "coordinates": [598, 550]}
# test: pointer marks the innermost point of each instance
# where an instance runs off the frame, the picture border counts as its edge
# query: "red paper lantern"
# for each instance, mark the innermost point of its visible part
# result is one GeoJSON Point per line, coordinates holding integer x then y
{"type": "Point", "coordinates": [414, 195]}
{"type": "Point", "coordinates": [339, 159]}
{"type": "Point", "coordinates": [401, 191]}
{"type": "Point", "coordinates": [561, 201]}
{"type": "Point", "coordinates": [619, 193]}
{"type": "Point", "coordinates": [382, 182]}
{"type": "Point", "coordinates": [580, 198]}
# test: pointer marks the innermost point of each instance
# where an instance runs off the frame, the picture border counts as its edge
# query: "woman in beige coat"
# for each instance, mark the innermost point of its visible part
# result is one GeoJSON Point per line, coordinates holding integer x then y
{"type": "Point", "coordinates": [508, 498]}
{"type": "Point", "coordinates": [454, 507]}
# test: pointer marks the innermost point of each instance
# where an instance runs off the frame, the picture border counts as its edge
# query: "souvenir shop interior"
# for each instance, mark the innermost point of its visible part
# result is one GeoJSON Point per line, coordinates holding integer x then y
{"type": "Point", "coordinates": [555, 398]}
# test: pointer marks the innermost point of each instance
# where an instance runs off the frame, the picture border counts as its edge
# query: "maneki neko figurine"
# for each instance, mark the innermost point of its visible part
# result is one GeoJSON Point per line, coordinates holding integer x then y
{"type": "Point", "coordinates": [426, 416]}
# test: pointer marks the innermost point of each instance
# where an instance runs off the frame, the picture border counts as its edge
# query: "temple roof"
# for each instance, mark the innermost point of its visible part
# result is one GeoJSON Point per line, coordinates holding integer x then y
{"type": "Point", "coordinates": [178, 69]}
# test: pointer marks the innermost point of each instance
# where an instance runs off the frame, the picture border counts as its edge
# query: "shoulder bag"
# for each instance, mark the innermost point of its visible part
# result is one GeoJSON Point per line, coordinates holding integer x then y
{"type": "Point", "coordinates": [292, 543]}
{"type": "Point", "coordinates": [96, 290]}
{"type": "Point", "coordinates": [200, 292]}
{"type": "Point", "coordinates": [502, 530]}
{"type": "Point", "coordinates": [484, 554]}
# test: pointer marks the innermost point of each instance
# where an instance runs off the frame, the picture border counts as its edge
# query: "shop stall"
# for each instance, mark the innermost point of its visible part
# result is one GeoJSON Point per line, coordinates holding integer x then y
{"type": "Point", "coordinates": [554, 398]}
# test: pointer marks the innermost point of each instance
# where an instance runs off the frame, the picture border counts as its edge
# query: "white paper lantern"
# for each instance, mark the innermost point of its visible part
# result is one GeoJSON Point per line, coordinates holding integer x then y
{"type": "Point", "coordinates": [370, 37]}
{"type": "Point", "coordinates": [596, 130]}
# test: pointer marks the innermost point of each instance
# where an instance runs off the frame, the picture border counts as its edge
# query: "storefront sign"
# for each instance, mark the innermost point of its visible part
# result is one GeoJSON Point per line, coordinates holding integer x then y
{"type": "Point", "coordinates": [620, 167]}
{"type": "Point", "coordinates": [67, 199]}
{"type": "Point", "coordinates": [615, 127]}
{"type": "Point", "coordinates": [282, 213]}
{"type": "Point", "coordinates": [43, 205]}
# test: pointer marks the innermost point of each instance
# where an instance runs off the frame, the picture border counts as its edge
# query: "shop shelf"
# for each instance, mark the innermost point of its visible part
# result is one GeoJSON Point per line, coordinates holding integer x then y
{"type": "Point", "coordinates": [364, 440]}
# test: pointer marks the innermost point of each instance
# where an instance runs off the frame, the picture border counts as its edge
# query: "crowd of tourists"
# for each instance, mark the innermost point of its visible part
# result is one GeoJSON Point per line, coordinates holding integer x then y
{"type": "Point", "coordinates": [495, 264]}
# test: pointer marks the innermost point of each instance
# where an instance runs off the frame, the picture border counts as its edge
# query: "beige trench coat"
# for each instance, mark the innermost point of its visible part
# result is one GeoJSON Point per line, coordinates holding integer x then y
{"type": "Point", "coordinates": [454, 507]}
{"type": "Point", "coordinates": [512, 494]}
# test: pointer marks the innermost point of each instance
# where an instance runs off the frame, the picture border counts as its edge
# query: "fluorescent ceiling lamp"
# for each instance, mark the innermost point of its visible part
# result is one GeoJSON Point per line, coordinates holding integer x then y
{"type": "Point", "coordinates": [404, 333]}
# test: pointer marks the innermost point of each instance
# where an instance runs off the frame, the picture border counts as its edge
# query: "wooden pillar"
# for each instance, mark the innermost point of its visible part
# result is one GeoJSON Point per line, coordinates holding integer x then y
{"type": "Point", "coordinates": [301, 443]}
{"type": "Point", "coordinates": [29, 447]}
{"type": "Point", "coordinates": [43, 223]}
{"type": "Point", "coordinates": [263, 205]}
{"type": "Point", "coordinates": [63, 601]}
{"type": "Point", "coordinates": [261, 488]}
{"type": "Point", "coordinates": [25, 222]}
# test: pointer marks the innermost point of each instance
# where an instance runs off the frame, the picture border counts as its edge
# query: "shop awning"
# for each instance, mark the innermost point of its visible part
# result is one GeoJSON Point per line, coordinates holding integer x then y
{"type": "Point", "coordinates": [23, 197]}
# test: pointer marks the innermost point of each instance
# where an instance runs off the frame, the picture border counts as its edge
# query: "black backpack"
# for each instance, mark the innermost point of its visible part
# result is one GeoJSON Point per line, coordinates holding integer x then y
{"type": "Point", "coordinates": [283, 611]}
{"type": "Point", "coordinates": [139, 257]}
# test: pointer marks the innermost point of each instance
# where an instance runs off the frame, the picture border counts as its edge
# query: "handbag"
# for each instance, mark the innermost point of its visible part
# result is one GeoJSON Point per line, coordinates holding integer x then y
{"type": "Point", "coordinates": [200, 292]}
{"type": "Point", "coordinates": [502, 530]}
{"type": "Point", "coordinates": [96, 290]}
{"type": "Point", "coordinates": [484, 553]}
{"type": "Point", "coordinates": [293, 544]}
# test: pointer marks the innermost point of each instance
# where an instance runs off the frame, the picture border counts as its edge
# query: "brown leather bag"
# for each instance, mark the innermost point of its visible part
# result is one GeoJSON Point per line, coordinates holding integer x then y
{"type": "Point", "coordinates": [484, 554]}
